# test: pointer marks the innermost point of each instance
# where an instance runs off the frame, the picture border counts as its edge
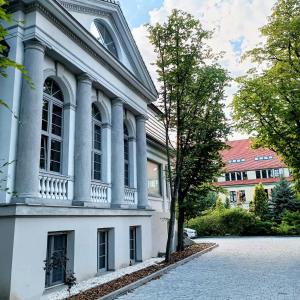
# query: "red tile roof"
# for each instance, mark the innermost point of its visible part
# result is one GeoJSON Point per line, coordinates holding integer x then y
{"type": "Point", "coordinates": [241, 149]}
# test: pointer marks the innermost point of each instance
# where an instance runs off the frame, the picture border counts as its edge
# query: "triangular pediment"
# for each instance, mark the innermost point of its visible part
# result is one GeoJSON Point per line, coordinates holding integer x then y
{"type": "Point", "coordinates": [106, 22]}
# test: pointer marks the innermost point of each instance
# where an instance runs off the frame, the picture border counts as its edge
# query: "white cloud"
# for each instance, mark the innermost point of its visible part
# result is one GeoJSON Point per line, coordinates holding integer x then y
{"type": "Point", "coordinates": [231, 20]}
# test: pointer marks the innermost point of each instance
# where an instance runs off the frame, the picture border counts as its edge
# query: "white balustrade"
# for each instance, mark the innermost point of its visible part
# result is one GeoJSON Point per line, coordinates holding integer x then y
{"type": "Point", "coordinates": [53, 187]}
{"type": "Point", "coordinates": [129, 195]}
{"type": "Point", "coordinates": [99, 192]}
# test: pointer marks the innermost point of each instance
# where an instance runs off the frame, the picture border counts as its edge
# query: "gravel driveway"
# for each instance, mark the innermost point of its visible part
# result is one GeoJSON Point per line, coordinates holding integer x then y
{"type": "Point", "coordinates": [240, 268]}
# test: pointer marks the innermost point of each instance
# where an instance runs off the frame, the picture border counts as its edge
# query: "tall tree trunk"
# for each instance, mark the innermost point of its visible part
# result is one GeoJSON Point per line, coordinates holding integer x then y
{"type": "Point", "coordinates": [180, 237]}
{"type": "Point", "coordinates": [171, 229]}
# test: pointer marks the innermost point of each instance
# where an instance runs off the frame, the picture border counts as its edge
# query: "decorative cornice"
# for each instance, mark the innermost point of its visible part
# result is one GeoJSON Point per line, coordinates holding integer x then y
{"type": "Point", "coordinates": [83, 9]}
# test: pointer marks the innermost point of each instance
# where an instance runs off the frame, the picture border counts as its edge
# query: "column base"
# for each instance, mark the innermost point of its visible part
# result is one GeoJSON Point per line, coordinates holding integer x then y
{"type": "Point", "coordinates": [26, 200]}
{"type": "Point", "coordinates": [141, 206]}
{"type": "Point", "coordinates": [121, 206]}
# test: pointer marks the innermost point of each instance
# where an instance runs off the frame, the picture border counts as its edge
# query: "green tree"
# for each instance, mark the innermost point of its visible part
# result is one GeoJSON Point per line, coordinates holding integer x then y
{"type": "Point", "coordinates": [227, 203]}
{"type": "Point", "coordinates": [199, 200]}
{"type": "Point", "coordinates": [260, 202]}
{"type": "Point", "coordinates": [267, 104]}
{"type": "Point", "coordinates": [191, 91]}
{"type": "Point", "coordinates": [219, 205]}
{"type": "Point", "coordinates": [283, 198]}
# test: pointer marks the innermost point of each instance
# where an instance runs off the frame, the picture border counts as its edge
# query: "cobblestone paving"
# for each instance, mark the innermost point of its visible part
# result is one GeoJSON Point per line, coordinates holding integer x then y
{"type": "Point", "coordinates": [240, 268]}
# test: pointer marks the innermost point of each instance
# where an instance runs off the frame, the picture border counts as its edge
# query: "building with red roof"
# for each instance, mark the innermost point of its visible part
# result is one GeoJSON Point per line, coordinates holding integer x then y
{"type": "Point", "coordinates": [245, 167]}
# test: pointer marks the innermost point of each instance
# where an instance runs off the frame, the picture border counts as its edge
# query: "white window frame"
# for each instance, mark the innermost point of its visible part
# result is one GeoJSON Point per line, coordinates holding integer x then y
{"type": "Point", "coordinates": [51, 136]}
{"type": "Point", "coordinates": [98, 123]}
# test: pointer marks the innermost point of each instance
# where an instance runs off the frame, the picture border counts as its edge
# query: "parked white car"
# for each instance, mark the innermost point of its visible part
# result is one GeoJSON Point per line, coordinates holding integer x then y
{"type": "Point", "coordinates": [191, 233]}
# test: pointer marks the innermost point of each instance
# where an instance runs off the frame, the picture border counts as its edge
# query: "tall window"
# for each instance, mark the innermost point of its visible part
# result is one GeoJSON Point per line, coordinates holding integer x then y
{"type": "Point", "coordinates": [52, 127]}
{"type": "Point", "coordinates": [102, 250]}
{"type": "Point", "coordinates": [126, 156]}
{"type": "Point", "coordinates": [102, 34]}
{"type": "Point", "coordinates": [132, 243]}
{"type": "Point", "coordinates": [97, 144]}
{"type": "Point", "coordinates": [232, 195]}
{"type": "Point", "coordinates": [154, 178]}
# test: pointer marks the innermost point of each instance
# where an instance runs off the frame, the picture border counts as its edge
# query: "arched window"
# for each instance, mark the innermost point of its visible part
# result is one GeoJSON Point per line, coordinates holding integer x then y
{"type": "Point", "coordinates": [126, 156]}
{"type": "Point", "coordinates": [52, 127]}
{"type": "Point", "coordinates": [101, 33]}
{"type": "Point", "coordinates": [97, 145]}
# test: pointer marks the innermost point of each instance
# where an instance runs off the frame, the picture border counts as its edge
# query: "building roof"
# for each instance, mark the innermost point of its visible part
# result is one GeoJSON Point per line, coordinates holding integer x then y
{"type": "Point", "coordinates": [242, 157]}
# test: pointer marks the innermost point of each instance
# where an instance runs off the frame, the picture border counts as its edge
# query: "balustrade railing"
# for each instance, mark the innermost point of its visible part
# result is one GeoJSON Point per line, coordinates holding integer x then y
{"type": "Point", "coordinates": [130, 196]}
{"type": "Point", "coordinates": [100, 192]}
{"type": "Point", "coordinates": [54, 187]}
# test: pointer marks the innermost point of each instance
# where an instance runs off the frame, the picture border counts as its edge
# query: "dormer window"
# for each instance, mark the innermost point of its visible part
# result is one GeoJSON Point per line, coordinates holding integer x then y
{"type": "Point", "coordinates": [101, 33]}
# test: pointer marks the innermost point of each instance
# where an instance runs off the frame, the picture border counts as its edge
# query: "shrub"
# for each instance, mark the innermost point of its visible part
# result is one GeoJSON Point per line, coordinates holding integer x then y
{"type": "Point", "coordinates": [261, 228]}
{"type": "Point", "coordinates": [290, 223]}
{"type": "Point", "coordinates": [219, 205]}
{"type": "Point", "coordinates": [209, 224]}
{"type": "Point", "coordinates": [227, 203]}
{"type": "Point", "coordinates": [237, 221]}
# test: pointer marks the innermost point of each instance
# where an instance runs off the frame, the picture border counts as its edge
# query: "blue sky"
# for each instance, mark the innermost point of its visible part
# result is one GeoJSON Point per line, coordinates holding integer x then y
{"type": "Point", "coordinates": [235, 24]}
{"type": "Point", "coordinates": [137, 11]}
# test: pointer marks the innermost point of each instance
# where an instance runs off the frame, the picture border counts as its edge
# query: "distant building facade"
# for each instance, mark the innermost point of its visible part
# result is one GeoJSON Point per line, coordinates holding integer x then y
{"type": "Point", "coordinates": [245, 168]}
{"type": "Point", "coordinates": [86, 154]}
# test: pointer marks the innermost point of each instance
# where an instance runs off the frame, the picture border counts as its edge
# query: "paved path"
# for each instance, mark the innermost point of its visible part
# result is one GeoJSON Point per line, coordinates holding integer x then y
{"type": "Point", "coordinates": [240, 268]}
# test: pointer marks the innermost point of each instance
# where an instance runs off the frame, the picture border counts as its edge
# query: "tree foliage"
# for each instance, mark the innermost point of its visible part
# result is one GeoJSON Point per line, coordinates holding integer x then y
{"type": "Point", "coordinates": [260, 202]}
{"type": "Point", "coordinates": [283, 198]}
{"type": "Point", "coordinates": [191, 91]}
{"type": "Point", "coordinates": [267, 104]}
{"type": "Point", "coordinates": [199, 200]}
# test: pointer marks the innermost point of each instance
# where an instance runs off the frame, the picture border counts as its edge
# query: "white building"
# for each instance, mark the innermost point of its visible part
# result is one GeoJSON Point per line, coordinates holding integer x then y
{"type": "Point", "coordinates": [246, 167]}
{"type": "Point", "coordinates": [77, 150]}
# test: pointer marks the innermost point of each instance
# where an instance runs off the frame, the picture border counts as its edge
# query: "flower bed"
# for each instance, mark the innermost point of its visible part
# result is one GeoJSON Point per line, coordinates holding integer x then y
{"type": "Point", "coordinates": [111, 286]}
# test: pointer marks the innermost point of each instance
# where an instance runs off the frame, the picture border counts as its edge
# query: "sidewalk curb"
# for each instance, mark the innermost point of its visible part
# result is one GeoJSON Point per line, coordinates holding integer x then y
{"type": "Point", "coordinates": [152, 276]}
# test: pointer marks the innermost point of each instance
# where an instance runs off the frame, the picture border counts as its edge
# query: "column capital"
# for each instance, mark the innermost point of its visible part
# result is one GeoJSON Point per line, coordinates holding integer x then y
{"type": "Point", "coordinates": [142, 118]}
{"type": "Point", "coordinates": [35, 44]}
{"type": "Point", "coordinates": [85, 78]}
{"type": "Point", "coordinates": [117, 101]}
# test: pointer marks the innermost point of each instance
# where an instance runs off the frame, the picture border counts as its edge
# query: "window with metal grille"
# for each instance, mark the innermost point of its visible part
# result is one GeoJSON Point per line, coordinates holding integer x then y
{"type": "Point", "coordinates": [52, 127]}
{"type": "Point", "coordinates": [126, 156]}
{"type": "Point", "coordinates": [97, 144]}
{"type": "Point", "coordinates": [56, 256]}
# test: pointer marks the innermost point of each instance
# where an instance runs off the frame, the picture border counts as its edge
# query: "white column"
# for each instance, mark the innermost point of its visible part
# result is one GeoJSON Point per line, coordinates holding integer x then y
{"type": "Point", "coordinates": [141, 147]}
{"type": "Point", "coordinates": [117, 153]}
{"type": "Point", "coordinates": [29, 140]}
{"type": "Point", "coordinates": [83, 140]}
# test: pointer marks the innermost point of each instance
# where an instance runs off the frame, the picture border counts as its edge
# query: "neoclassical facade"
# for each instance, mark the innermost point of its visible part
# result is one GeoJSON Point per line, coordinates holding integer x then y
{"type": "Point", "coordinates": [82, 150]}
